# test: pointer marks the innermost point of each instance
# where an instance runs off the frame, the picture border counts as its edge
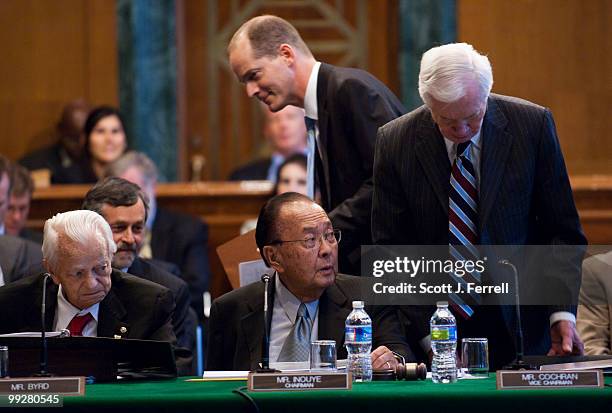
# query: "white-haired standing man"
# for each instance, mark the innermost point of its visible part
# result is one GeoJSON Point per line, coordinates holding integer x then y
{"type": "Point", "coordinates": [87, 296]}
{"type": "Point", "coordinates": [473, 167]}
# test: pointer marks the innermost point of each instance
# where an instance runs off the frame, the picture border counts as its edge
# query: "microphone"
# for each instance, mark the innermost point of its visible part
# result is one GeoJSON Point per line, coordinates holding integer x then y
{"type": "Point", "coordinates": [43, 311]}
{"type": "Point", "coordinates": [265, 349]}
{"type": "Point", "coordinates": [518, 363]}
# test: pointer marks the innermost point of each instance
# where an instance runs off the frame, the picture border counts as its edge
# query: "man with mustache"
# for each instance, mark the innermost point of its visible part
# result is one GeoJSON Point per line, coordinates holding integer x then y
{"type": "Point", "coordinates": [310, 300]}
{"type": "Point", "coordinates": [125, 206]}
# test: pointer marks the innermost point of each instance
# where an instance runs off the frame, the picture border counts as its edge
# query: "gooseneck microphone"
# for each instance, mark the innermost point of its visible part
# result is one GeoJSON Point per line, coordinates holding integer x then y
{"type": "Point", "coordinates": [43, 311]}
{"type": "Point", "coordinates": [265, 349]}
{"type": "Point", "coordinates": [518, 363]}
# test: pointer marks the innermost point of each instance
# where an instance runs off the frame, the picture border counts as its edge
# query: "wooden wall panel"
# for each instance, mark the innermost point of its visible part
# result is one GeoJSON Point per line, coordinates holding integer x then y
{"type": "Point", "coordinates": [556, 53]}
{"type": "Point", "coordinates": [53, 52]}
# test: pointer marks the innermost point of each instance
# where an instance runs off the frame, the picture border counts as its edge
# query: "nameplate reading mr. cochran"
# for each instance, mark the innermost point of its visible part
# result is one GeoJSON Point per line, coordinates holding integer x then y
{"type": "Point", "coordinates": [299, 381]}
{"type": "Point", "coordinates": [67, 386]}
{"type": "Point", "coordinates": [554, 379]}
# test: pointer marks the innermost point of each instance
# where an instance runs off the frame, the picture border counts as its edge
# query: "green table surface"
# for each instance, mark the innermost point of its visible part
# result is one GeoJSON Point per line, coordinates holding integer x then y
{"type": "Point", "coordinates": [466, 395]}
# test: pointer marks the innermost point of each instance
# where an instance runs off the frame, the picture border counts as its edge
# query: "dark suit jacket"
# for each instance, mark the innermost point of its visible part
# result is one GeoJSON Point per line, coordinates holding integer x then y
{"type": "Point", "coordinates": [253, 171]}
{"type": "Point", "coordinates": [184, 318]}
{"type": "Point", "coordinates": [182, 239]}
{"type": "Point", "coordinates": [51, 158]}
{"type": "Point", "coordinates": [16, 256]}
{"type": "Point", "coordinates": [235, 330]}
{"type": "Point", "coordinates": [352, 104]}
{"type": "Point", "coordinates": [143, 308]}
{"type": "Point", "coordinates": [525, 195]}
{"type": "Point", "coordinates": [31, 235]}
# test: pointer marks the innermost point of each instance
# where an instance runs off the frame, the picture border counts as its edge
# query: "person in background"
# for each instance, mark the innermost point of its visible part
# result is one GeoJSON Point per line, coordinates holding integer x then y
{"type": "Point", "coordinates": [285, 132]}
{"type": "Point", "coordinates": [20, 197]}
{"type": "Point", "coordinates": [105, 141]}
{"type": "Point", "coordinates": [5, 189]}
{"type": "Point", "coordinates": [594, 317]}
{"type": "Point", "coordinates": [171, 236]}
{"type": "Point", "coordinates": [290, 177]}
{"type": "Point", "coordinates": [64, 159]}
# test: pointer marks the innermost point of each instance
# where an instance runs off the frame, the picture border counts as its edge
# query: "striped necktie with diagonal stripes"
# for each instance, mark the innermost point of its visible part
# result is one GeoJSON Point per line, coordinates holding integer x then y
{"type": "Point", "coordinates": [463, 223]}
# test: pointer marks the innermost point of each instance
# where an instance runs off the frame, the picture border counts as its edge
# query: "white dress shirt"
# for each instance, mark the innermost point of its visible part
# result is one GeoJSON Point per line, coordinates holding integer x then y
{"type": "Point", "coordinates": [65, 313]}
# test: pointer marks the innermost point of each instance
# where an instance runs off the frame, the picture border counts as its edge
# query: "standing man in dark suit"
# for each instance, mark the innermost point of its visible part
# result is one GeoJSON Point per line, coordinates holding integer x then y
{"type": "Point", "coordinates": [344, 108]}
{"type": "Point", "coordinates": [507, 153]}
{"type": "Point", "coordinates": [178, 238]}
{"type": "Point", "coordinates": [87, 296]}
{"type": "Point", "coordinates": [125, 206]}
{"type": "Point", "coordinates": [309, 299]}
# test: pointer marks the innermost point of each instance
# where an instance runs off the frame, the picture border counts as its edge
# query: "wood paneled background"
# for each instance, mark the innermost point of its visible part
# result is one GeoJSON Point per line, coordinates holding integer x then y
{"type": "Point", "coordinates": [555, 52]}
{"type": "Point", "coordinates": [52, 52]}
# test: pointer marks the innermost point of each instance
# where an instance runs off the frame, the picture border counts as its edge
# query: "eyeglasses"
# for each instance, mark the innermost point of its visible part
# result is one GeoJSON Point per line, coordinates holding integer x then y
{"type": "Point", "coordinates": [312, 241]}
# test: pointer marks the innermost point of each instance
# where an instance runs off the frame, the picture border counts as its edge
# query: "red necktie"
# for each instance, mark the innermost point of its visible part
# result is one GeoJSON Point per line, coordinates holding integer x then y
{"type": "Point", "coordinates": [78, 323]}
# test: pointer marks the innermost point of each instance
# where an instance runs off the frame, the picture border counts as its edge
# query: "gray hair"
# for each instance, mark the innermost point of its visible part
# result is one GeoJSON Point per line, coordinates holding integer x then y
{"type": "Point", "coordinates": [446, 71]}
{"type": "Point", "coordinates": [86, 228]}
{"type": "Point", "coordinates": [134, 159]}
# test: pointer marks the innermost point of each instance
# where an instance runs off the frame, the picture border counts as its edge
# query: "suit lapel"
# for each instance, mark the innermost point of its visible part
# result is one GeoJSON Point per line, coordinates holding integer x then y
{"type": "Point", "coordinates": [496, 144]}
{"type": "Point", "coordinates": [433, 157]}
{"type": "Point", "coordinates": [111, 316]}
{"type": "Point", "coordinates": [333, 310]}
{"type": "Point", "coordinates": [252, 323]}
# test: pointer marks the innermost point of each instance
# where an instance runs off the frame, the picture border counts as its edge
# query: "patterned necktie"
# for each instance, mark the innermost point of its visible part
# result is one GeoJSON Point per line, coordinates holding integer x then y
{"type": "Point", "coordinates": [297, 344]}
{"type": "Point", "coordinates": [463, 223]}
{"type": "Point", "coordinates": [78, 323]}
{"type": "Point", "coordinates": [310, 161]}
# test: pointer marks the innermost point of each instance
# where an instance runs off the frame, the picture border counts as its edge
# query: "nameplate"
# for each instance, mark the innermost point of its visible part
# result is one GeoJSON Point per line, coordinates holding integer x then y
{"type": "Point", "coordinates": [299, 381]}
{"type": "Point", "coordinates": [553, 379]}
{"type": "Point", "coordinates": [66, 386]}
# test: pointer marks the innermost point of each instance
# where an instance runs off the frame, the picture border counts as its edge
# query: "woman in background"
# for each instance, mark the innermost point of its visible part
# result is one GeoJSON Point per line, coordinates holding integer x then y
{"type": "Point", "coordinates": [105, 140]}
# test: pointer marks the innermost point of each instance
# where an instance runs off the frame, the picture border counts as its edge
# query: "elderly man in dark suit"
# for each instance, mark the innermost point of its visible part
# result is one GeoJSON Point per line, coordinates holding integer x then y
{"type": "Point", "coordinates": [508, 186]}
{"type": "Point", "coordinates": [125, 207]}
{"type": "Point", "coordinates": [87, 296]}
{"type": "Point", "coordinates": [296, 238]}
{"type": "Point", "coordinates": [344, 108]}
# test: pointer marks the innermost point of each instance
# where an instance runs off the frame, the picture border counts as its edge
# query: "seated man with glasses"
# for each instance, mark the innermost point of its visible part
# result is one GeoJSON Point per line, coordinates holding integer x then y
{"type": "Point", "coordinates": [308, 299]}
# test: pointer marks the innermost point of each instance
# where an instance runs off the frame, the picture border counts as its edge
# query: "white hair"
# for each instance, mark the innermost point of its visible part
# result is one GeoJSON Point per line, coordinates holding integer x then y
{"type": "Point", "coordinates": [447, 70]}
{"type": "Point", "coordinates": [86, 228]}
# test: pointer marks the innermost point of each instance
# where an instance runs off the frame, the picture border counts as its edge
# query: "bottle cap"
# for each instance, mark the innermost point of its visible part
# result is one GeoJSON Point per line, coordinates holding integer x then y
{"type": "Point", "coordinates": [357, 304]}
{"type": "Point", "coordinates": [442, 304]}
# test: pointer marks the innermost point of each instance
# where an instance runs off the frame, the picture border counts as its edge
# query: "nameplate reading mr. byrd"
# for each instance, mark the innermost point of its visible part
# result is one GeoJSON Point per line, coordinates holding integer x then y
{"type": "Point", "coordinates": [67, 386]}
{"type": "Point", "coordinates": [299, 381]}
{"type": "Point", "coordinates": [554, 379]}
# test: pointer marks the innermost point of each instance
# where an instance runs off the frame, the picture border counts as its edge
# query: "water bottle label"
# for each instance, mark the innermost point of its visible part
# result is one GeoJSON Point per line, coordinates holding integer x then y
{"type": "Point", "coordinates": [359, 334]}
{"type": "Point", "coordinates": [443, 333]}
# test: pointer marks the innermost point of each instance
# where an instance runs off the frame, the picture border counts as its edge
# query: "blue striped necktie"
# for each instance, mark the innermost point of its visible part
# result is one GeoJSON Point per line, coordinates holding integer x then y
{"type": "Point", "coordinates": [463, 224]}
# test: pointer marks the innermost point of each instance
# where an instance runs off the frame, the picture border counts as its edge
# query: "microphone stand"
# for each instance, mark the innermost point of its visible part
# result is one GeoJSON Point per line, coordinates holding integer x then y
{"type": "Point", "coordinates": [518, 363]}
{"type": "Point", "coordinates": [43, 353]}
{"type": "Point", "coordinates": [265, 351]}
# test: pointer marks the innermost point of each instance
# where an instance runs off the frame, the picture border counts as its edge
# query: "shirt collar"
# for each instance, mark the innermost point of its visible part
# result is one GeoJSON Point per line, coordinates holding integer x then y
{"type": "Point", "coordinates": [310, 98]}
{"type": "Point", "coordinates": [290, 302]}
{"type": "Point", "coordinates": [451, 147]}
{"type": "Point", "coordinates": [66, 311]}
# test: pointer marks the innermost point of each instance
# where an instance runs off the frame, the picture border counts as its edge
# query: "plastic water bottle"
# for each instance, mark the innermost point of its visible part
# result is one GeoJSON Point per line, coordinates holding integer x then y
{"type": "Point", "coordinates": [358, 342]}
{"type": "Point", "coordinates": [444, 345]}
